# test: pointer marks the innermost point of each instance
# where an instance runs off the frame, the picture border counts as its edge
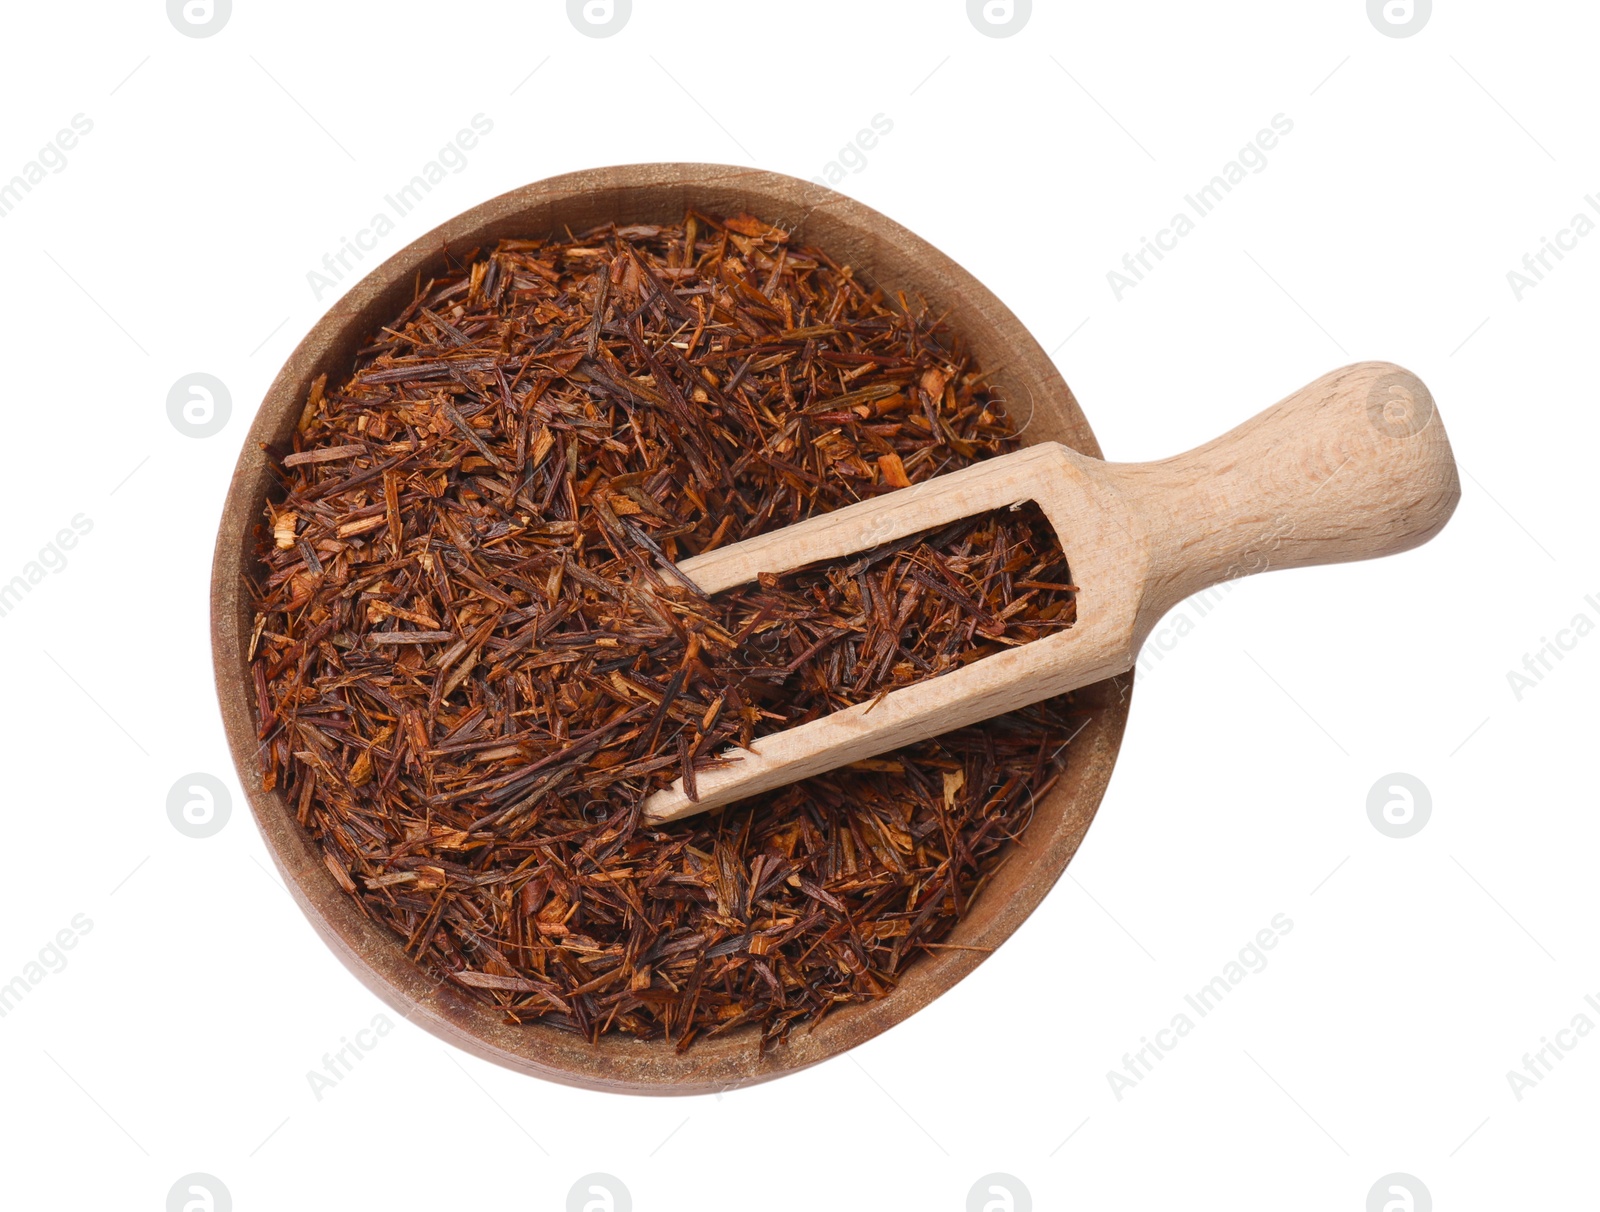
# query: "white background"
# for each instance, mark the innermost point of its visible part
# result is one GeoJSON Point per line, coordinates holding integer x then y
{"type": "Point", "coordinates": [1418, 972]}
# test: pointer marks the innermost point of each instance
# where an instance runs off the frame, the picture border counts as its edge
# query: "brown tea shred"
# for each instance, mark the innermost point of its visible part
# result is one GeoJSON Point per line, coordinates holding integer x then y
{"type": "Point", "coordinates": [475, 654]}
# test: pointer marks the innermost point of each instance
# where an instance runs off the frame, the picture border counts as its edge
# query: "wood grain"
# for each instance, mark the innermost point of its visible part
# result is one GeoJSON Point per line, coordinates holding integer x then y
{"type": "Point", "coordinates": [883, 253]}
{"type": "Point", "coordinates": [1352, 467]}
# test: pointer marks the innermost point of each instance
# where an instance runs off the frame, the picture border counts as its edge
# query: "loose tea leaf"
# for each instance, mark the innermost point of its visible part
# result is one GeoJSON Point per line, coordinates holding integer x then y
{"type": "Point", "coordinates": [475, 654]}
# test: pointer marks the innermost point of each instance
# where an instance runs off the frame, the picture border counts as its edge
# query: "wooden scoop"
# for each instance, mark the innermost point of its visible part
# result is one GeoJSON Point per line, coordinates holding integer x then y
{"type": "Point", "coordinates": [1355, 465]}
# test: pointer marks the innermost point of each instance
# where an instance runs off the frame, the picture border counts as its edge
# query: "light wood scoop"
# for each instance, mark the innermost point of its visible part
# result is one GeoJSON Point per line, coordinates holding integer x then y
{"type": "Point", "coordinates": [1355, 465]}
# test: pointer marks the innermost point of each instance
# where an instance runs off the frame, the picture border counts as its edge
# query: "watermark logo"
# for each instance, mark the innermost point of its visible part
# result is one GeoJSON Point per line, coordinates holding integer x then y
{"type": "Point", "coordinates": [1256, 556]}
{"type": "Point", "coordinates": [338, 1065]}
{"type": "Point", "coordinates": [1399, 18]}
{"type": "Point", "coordinates": [1252, 159]}
{"type": "Point", "coordinates": [450, 159]}
{"type": "Point", "coordinates": [999, 18]}
{"type": "Point", "coordinates": [853, 155]}
{"type": "Point", "coordinates": [51, 959]}
{"type": "Point", "coordinates": [1399, 405]}
{"type": "Point", "coordinates": [599, 1193]}
{"type": "Point", "coordinates": [52, 157]}
{"type": "Point", "coordinates": [1536, 665]}
{"type": "Point", "coordinates": [199, 405]}
{"type": "Point", "coordinates": [599, 18]}
{"type": "Point", "coordinates": [199, 18]}
{"type": "Point", "coordinates": [1140, 1063]}
{"type": "Point", "coordinates": [1399, 1193]}
{"type": "Point", "coordinates": [199, 805]}
{"type": "Point", "coordinates": [999, 1193]}
{"type": "Point", "coordinates": [1536, 265]}
{"type": "Point", "coordinates": [52, 558]}
{"type": "Point", "coordinates": [1399, 805]}
{"type": "Point", "coordinates": [1538, 1063]}
{"type": "Point", "coordinates": [199, 1193]}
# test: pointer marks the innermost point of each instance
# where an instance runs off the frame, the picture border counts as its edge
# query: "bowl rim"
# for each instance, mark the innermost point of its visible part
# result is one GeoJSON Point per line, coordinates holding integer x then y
{"type": "Point", "coordinates": [884, 250]}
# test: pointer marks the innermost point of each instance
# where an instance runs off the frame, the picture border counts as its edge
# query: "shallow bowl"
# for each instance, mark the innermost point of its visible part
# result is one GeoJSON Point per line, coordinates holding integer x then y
{"type": "Point", "coordinates": [881, 252]}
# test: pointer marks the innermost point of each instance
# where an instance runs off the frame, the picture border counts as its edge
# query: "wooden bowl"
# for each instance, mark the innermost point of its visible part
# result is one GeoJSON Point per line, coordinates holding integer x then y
{"type": "Point", "coordinates": [881, 252]}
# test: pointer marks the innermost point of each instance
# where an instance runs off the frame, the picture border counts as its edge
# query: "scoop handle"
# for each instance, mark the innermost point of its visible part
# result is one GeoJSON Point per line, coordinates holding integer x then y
{"type": "Point", "coordinates": [1353, 466]}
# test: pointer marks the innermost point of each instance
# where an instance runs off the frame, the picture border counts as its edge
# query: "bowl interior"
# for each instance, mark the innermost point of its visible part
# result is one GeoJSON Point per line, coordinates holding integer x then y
{"type": "Point", "coordinates": [882, 253]}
